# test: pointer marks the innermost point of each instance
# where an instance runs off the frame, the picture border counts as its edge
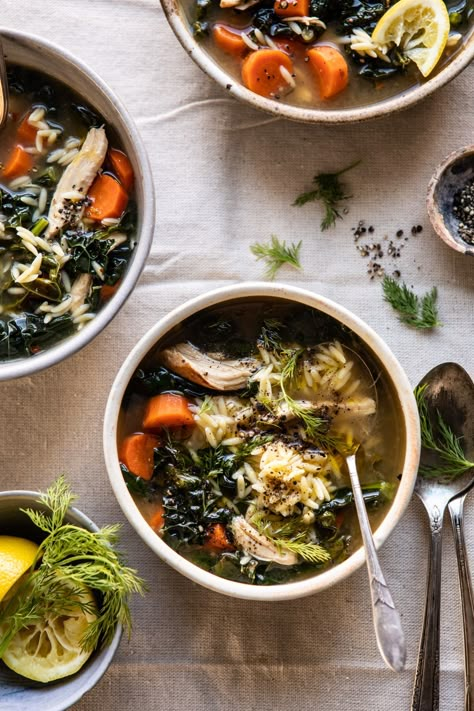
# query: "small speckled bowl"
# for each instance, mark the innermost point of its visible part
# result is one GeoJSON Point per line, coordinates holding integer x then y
{"type": "Point", "coordinates": [16, 692]}
{"type": "Point", "coordinates": [450, 177]}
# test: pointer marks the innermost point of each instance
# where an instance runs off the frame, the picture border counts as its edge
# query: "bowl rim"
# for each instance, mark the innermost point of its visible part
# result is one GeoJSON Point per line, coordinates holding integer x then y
{"type": "Point", "coordinates": [432, 204]}
{"type": "Point", "coordinates": [410, 96]}
{"type": "Point", "coordinates": [63, 349]}
{"type": "Point", "coordinates": [285, 591]}
{"type": "Point", "coordinates": [105, 656]}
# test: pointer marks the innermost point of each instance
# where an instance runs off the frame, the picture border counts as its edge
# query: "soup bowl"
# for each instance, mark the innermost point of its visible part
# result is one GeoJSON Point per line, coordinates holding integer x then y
{"type": "Point", "coordinates": [181, 26]}
{"type": "Point", "coordinates": [16, 692]}
{"type": "Point", "coordinates": [35, 53]}
{"type": "Point", "coordinates": [371, 342]}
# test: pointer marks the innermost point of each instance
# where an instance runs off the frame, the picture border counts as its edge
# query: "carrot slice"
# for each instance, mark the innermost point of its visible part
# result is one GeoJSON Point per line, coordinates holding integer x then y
{"type": "Point", "coordinates": [157, 519]}
{"type": "Point", "coordinates": [108, 290]}
{"type": "Point", "coordinates": [291, 8]}
{"type": "Point", "coordinates": [108, 198]}
{"type": "Point", "coordinates": [122, 167]}
{"type": "Point", "coordinates": [330, 68]}
{"type": "Point", "coordinates": [216, 538]}
{"type": "Point", "coordinates": [167, 410]}
{"type": "Point", "coordinates": [19, 163]}
{"type": "Point", "coordinates": [26, 133]}
{"type": "Point", "coordinates": [230, 42]}
{"type": "Point", "coordinates": [137, 453]}
{"type": "Point", "coordinates": [261, 72]}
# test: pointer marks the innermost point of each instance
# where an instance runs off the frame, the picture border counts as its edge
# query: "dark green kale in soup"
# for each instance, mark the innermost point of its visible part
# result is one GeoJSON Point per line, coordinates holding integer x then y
{"type": "Point", "coordinates": [67, 214]}
{"type": "Point", "coordinates": [233, 436]}
{"type": "Point", "coordinates": [330, 53]}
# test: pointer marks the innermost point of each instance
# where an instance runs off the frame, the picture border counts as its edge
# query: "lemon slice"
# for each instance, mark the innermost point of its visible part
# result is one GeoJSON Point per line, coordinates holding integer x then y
{"type": "Point", "coordinates": [420, 29]}
{"type": "Point", "coordinates": [51, 649]}
{"type": "Point", "coordinates": [16, 556]}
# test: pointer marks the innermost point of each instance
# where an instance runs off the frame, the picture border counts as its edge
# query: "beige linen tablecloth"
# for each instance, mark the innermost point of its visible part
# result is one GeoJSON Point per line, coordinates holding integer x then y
{"type": "Point", "coordinates": [225, 177]}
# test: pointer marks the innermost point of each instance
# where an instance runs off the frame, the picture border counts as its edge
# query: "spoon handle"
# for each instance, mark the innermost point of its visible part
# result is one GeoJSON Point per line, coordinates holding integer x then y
{"type": "Point", "coordinates": [387, 623]}
{"type": "Point", "coordinates": [456, 510]}
{"type": "Point", "coordinates": [426, 689]}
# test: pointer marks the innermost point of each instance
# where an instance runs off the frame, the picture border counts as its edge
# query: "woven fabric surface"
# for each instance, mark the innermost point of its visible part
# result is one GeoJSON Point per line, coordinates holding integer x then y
{"type": "Point", "coordinates": [225, 177]}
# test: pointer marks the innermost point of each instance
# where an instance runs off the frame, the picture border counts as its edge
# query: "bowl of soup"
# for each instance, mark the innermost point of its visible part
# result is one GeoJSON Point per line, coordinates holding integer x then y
{"type": "Point", "coordinates": [226, 432]}
{"type": "Point", "coordinates": [77, 207]}
{"type": "Point", "coordinates": [319, 61]}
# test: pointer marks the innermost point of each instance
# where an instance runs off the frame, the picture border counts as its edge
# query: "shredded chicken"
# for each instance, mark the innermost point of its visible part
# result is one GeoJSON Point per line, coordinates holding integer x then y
{"type": "Point", "coordinates": [67, 204]}
{"type": "Point", "coordinates": [80, 290]}
{"type": "Point", "coordinates": [212, 372]}
{"type": "Point", "coordinates": [255, 544]}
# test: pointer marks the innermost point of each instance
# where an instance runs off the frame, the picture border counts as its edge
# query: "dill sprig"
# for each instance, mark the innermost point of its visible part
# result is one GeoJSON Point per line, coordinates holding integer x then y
{"type": "Point", "coordinates": [412, 310]}
{"type": "Point", "coordinates": [68, 560]}
{"type": "Point", "coordinates": [330, 191]}
{"type": "Point", "coordinates": [270, 335]}
{"type": "Point", "coordinates": [441, 440]}
{"type": "Point", "coordinates": [315, 426]}
{"type": "Point", "coordinates": [291, 536]}
{"type": "Point", "coordinates": [276, 254]}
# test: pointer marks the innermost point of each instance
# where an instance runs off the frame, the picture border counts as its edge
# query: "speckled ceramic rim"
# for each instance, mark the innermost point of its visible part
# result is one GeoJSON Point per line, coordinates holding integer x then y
{"type": "Point", "coordinates": [21, 47]}
{"type": "Point", "coordinates": [434, 213]}
{"type": "Point", "coordinates": [97, 667]}
{"type": "Point", "coordinates": [286, 591]}
{"type": "Point", "coordinates": [180, 26]}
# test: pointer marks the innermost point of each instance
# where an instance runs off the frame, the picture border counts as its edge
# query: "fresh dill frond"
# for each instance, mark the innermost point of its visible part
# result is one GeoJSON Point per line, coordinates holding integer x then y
{"type": "Point", "coordinates": [290, 535]}
{"type": "Point", "coordinates": [330, 191]}
{"type": "Point", "coordinates": [270, 334]}
{"type": "Point", "coordinates": [69, 559]}
{"type": "Point", "coordinates": [441, 440]}
{"type": "Point", "coordinates": [315, 426]}
{"type": "Point", "coordinates": [275, 254]}
{"type": "Point", "coordinates": [206, 405]}
{"type": "Point", "coordinates": [311, 552]}
{"type": "Point", "coordinates": [413, 311]}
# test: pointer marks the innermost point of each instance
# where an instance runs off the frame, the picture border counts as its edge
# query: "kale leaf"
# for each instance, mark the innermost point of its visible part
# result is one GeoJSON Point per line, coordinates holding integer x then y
{"type": "Point", "coordinates": [28, 334]}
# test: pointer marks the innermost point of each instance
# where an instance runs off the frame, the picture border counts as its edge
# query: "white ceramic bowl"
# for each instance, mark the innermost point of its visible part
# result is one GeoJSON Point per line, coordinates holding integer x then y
{"type": "Point", "coordinates": [181, 27]}
{"type": "Point", "coordinates": [34, 52]}
{"type": "Point", "coordinates": [374, 343]}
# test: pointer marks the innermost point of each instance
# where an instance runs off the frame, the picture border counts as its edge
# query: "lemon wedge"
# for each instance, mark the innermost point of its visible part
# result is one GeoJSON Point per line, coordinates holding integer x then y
{"type": "Point", "coordinates": [16, 556]}
{"type": "Point", "coordinates": [51, 648]}
{"type": "Point", "coordinates": [419, 28]}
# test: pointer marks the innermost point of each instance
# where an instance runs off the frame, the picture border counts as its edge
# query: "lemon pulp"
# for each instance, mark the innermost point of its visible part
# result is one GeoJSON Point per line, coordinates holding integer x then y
{"type": "Point", "coordinates": [51, 648]}
{"type": "Point", "coordinates": [419, 28]}
{"type": "Point", "coordinates": [16, 556]}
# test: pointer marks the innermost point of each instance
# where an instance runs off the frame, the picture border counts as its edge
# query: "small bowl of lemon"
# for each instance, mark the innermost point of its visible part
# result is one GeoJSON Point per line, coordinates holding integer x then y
{"type": "Point", "coordinates": [64, 593]}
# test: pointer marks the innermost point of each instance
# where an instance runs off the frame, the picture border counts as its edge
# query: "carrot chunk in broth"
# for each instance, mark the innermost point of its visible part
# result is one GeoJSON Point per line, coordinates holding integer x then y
{"type": "Point", "coordinates": [266, 72]}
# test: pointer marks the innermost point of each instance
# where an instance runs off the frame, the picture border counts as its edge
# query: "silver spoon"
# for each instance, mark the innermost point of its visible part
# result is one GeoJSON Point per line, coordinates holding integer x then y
{"type": "Point", "coordinates": [386, 619]}
{"type": "Point", "coordinates": [387, 623]}
{"type": "Point", "coordinates": [449, 391]}
{"type": "Point", "coordinates": [4, 98]}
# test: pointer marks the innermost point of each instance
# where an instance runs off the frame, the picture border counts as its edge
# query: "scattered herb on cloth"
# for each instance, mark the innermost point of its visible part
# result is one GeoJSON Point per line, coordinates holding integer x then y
{"type": "Point", "coordinates": [412, 310]}
{"type": "Point", "coordinates": [439, 438]}
{"type": "Point", "coordinates": [330, 191]}
{"type": "Point", "coordinates": [69, 560]}
{"type": "Point", "coordinates": [275, 254]}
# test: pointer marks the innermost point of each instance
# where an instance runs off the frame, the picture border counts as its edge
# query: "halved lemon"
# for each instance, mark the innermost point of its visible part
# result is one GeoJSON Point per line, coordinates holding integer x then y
{"type": "Point", "coordinates": [16, 557]}
{"type": "Point", "coordinates": [51, 649]}
{"type": "Point", "coordinates": [420, 29]}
